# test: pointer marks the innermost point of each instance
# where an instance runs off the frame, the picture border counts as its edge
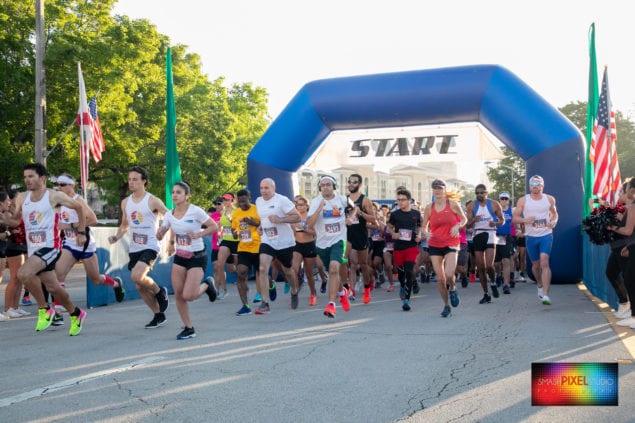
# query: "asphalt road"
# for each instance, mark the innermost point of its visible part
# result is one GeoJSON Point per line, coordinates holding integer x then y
{"type": "Point", "coordinates": [375, 363]}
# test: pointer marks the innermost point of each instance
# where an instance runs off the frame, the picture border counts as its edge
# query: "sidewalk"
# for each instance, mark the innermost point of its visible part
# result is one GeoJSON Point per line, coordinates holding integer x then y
{"type": "Point", "coordinates": [373, 364]}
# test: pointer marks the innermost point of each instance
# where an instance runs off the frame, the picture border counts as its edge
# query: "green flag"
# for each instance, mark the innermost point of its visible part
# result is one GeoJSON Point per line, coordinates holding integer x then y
{"type": "Point", "coordinates": [592, 108]}
{"type": "Point", "coordinates": [172, 166]}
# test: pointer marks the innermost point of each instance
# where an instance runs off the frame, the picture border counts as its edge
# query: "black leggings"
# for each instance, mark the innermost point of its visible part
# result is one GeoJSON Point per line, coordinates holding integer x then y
{"type": "Point", "coordinates": [406, 277]}
{"type": "Point", "coordinates": [629, 275]}
{"type": "Point", "coordinates": [615, 267]}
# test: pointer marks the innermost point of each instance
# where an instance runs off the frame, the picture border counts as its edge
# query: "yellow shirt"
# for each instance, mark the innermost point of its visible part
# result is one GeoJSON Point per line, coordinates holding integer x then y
{"type": "Point", "coordinates": [249, 239]}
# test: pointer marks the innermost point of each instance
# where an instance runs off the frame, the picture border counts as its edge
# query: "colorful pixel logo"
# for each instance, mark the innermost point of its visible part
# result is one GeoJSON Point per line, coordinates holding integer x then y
{"type": "Point", "coordinates": [34, 218]}
{"type": "Point", "coordinates": [65, 216]}
{"type": "Point", "coordinates": [137, 217]}
{"type": "Point", "coordinates": [574, 384]}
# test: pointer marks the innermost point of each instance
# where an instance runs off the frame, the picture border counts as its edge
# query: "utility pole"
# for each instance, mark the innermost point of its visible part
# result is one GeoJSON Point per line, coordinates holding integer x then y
{"type": "Point", "coordinates": [40, 85]}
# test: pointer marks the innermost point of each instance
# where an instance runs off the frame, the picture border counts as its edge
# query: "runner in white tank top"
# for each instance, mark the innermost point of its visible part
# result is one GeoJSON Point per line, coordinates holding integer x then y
{"type": "Point", "coordinates": [38, 209]}
{"type": "Point", "coordinates": [537, 211]}
{"type": "Point", "coordinates": [140, 216]}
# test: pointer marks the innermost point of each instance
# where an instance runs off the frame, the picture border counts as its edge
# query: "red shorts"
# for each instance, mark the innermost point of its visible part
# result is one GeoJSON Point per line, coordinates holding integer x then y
{"type": "Point", "coordinates": [400, 257]}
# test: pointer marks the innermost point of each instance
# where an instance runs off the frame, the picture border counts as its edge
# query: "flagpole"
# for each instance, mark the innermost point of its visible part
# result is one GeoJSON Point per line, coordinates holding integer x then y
{"type": "Point", "coordinates": [172, 165]}
{"type": "Point", "coordinates": [592, 107]}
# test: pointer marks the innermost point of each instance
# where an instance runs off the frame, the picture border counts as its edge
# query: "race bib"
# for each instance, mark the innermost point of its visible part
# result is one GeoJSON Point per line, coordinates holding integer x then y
{"type": "Point", "coordinates": [332, 228]}
{"type": "Point", "coordinates": [140, 239]}
{"type": "Point", "coordinates": [37, 237]}
{"type": "Point", "coordinates": [183, 240]}
{"type": "Point", "coordinates": [390, 246]}
{"type": "Point", "coordinates": [405, 234]}
{"type": "Point", "coordinates": [227, 231]}
{"type": "Point", "coordinates": [70, 233]}
{"type": "Point", "coordinates": [245, 236]}
{"type": "Point", "coordinates": [540, 223]}
{"type": "Point", "coordinates": [271, 232]}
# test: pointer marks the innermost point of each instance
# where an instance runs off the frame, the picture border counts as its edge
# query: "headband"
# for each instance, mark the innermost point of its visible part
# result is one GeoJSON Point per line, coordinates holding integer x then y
{"type": "Point", "coordinates": [65, 179]}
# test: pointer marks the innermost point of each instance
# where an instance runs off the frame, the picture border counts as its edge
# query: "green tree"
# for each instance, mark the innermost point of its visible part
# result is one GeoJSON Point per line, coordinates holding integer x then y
{"type": "Point", "coordinates": [500, 173]}
{"type": "Point", "coordinates": [123, 61]}
{"type": "Point", "coordinates": [625, 144]}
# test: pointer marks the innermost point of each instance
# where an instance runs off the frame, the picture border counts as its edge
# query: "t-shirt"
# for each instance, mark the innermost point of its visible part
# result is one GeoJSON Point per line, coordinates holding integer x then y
{"type": "Point", "coordinates": [191, 222]}
{"type": "Point", "coordinates": [407, 224]}
{"type": "Point", "coordinates": [277, 235]}
{"type": "Point", "coordinates": [249, 238]}
{"type": "Point", "coordinates": [330, 226]}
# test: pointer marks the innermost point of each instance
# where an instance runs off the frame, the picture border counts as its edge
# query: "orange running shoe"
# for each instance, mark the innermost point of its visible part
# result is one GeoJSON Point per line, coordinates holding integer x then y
{"type": "Point", "coordinates": [329, 310]}
{"type": "Point", "coordinates": [366, 298]}
{"type": "Point", "coordinates": [312, 300]}
{"type": "Point", "coordinates": [346, 305]}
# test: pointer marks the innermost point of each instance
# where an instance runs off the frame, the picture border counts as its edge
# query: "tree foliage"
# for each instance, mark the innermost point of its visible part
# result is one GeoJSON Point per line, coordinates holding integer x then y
{"type": "Point", "coordinates": [625, 144]}
{"type": "Point", "coordinates": [123, 63]}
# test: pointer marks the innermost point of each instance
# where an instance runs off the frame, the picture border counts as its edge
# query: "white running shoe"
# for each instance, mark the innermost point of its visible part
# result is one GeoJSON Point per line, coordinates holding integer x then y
{"type": "Point", "coordinates": [546, 300]}
{"type": "Point", "coordinates": [13, 313]}
{"type": "Point", "coordinates": [4, 318]}
{"type": "Point", "coordinates": [622, 309]}
{"type": "Point", "coordinates": [540, 293]}
{"type": "Point", "coordinates": [626, 322]}
{"type": "Point", "coordinates": [23, 311]}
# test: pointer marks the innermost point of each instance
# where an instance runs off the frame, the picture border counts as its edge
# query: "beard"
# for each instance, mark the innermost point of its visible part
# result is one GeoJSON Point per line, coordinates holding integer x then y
{"type": "Point", "coordinates": [354, 189]}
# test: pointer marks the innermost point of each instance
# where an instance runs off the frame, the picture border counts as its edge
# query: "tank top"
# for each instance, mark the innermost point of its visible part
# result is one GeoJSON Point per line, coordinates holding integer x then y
{"type": "Point", "coordinates": [359, 223]}
{"type": "Point", "coordinates": [621, 242]}
{"type": "Point", "coordinates": [226, 228]}
{"type": "Point", "coordinates": [40, 223]}
{"type": "Point", "coordinates": [143, 225]}
{"type": "Point", "coordinates": [540, 210]}
{"type": "Point", "coordinates": [506, 229]}
{"type": "Point", "coordinates": [70, 235]}
{"type": "Point", "coordinates": [441, 223]}
{"type": "Point", "coordinates": [486, 217]}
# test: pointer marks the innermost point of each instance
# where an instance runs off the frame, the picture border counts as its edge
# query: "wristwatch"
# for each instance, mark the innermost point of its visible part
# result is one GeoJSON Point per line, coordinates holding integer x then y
{"type": "Point", "coordinates": [81, 232]}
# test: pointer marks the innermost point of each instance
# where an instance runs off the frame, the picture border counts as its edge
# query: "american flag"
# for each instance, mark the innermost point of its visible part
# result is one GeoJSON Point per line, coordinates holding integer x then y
{"type": "Point", "coordinates": [97, 145]}
{"type": "Point", "coordinates": [603, 153]}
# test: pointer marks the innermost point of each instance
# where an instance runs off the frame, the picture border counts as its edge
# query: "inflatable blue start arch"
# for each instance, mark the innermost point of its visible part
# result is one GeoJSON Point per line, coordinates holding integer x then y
{"type": "Point", "coordinates": [489, 94]}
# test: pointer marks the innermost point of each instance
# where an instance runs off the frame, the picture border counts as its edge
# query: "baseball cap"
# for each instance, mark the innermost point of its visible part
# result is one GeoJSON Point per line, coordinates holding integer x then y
{"type": "Point", "coordinates": [504, 194]}
{"type": "Point", "coordinates": [228, 196]}
{"type": "Point", "coordinates": [218, 200]}
{"type": "Point", "coordinates": [438, 183]}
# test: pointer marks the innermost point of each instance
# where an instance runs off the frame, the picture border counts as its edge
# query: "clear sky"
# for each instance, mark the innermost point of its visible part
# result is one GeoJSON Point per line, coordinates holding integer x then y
{"type": "Point", "coordinates": [282, 44]}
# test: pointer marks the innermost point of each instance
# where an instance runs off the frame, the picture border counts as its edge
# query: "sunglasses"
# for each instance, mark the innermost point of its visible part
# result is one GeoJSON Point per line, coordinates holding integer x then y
{"type": "Point", "coordinates": [60, 185]}
{"type": "Point", "coordinates": [219, 204]}
{"type": "Point", "coordinates": [402, 199]}
{"type": "Point", "coordinates": [535, 184]}
{"type": "Point", "coordinates": [353, 182]}
{"type": "Point", "coordinates": [504, 199]}
{"type": "Point", "coordinates": [481, 192]}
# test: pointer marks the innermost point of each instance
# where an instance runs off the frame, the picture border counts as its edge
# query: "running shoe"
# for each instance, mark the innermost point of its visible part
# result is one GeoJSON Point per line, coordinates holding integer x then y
{"type": "Point", "coordinates": [464, 282]}
{"type": "Point", "coordinates": [406, 305]}
{"type": "Point", "coordinates": [26, 301]}
{"type": "Point", "coordinates": [391, 288]}
{"type": "Point", "coordinates": [186, 333]}
{"type": "Point", "coordinates": [540, 293]}
{"type": "Point", "coordinates": [546, 300]}
{"type": "Point", "coordinates": [162, 299]}
{"type": "Point", "coordinates": [44, 318]}
{"type": "Point", "coordinates": [494, 290]}
{"type": "Point", "coordinates": [13, 313]}
{"type": "Point", "coordinates": [366, 298]}
{"type": "Point", "coordinates": [454, 298]}
{"type": "Point", "coordinates": [351, 295]}
{"type": "Point", "coordinates": [486, 299]}
{"type": "Point", "coordinates": [346, 305]}
{"type": "Point", "coordinates": [627, 322]}
{"type": "Point", "coordinates": [158, 320]}
{"type": "Point", "coordinates": [506, 289]}
{"type": "Point", "coordinates": [221, 295]}
{"type": "Point", "coordinates": [287, 288]}
{"type": "Point", "coordinates": [211, 289]}
{"type": "Point", "coordinates": [415, 287]}
{"type": "Point", "coordinates": [120, 292]}
{"type": "Point", "coordinates": [244, 310]}
{"type": "Point", "coordinates": [273, 291]}
{"type": "Point", "coordinates": [257, 297]}
{"type": "Point", "coordinates": [58, 320]}
{"type": "Point", "coordinates": [263, 309]}
{"type": "Point", "coordinates": [77, 323]}
{"type": "Point", "coordinates": [312, 300]}
{"type": "Point", "coordinates": [323, 288]}
{"type": "Point", "coordinates": [294, 301]}
{"type": "Point", "coordinates": [329, 310]}
{"type": "Point", "coordinates": [4, 318]}
{"type": "Point", "coordinates": [447, 311]}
